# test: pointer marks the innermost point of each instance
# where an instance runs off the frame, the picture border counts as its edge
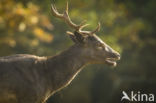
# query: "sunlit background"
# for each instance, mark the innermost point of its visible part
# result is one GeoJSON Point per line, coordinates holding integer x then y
{"type": "Point", "coordinates": [128, 26]}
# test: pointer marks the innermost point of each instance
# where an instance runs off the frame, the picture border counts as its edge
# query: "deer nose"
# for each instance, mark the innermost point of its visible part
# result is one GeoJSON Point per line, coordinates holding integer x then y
{"type": "Point", "coordinates": [113, 53]}
{"type": "Point", "coordinates": [117, 55]}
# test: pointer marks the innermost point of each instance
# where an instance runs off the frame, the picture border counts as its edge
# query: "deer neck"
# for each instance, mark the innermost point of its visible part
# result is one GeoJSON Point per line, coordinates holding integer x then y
{"type": "Point", "coordinates": [65, 66]}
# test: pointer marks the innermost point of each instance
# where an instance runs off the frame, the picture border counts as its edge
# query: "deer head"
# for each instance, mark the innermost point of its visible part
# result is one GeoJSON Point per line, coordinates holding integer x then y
{"type": "Point", "coordinates": [92, 47]}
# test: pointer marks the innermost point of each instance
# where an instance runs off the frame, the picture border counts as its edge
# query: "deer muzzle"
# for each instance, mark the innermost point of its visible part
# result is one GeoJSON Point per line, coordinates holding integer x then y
{"type": "Point", "coordinates": [113, 59]}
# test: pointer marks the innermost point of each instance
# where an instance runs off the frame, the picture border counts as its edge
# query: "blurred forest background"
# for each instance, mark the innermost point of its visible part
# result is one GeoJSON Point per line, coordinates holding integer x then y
{"type": "Point", "coordinates": [128, 26]}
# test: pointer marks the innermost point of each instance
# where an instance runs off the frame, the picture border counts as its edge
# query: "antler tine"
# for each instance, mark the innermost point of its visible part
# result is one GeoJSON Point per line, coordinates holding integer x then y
{"type": "Point", "coordinates": [67, 7]}
{"type": "Point", "coordinates": [82, 25]}
{"type": "Point", "coordinates": [68, 20]}
{"type": "Point", "coordinates": [55, 12]}
{"type": "Point", "coordinates": [65, 17]}
{"type": "Point", "coordinates": [97, 29]}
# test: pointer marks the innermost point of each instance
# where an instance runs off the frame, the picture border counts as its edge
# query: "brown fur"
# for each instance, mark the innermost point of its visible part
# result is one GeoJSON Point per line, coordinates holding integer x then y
{"type": "Point", "coordinates": [31, 79]}
{"type": "Point", "coordinates": [28, 78]}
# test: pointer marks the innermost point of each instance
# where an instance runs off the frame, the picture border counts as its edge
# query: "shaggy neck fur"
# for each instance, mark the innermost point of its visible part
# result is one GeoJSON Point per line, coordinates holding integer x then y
{"type": "Point", "coordinates": [63, 68]}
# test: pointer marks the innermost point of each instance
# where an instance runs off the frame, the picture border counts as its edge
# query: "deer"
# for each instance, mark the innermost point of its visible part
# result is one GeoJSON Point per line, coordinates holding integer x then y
{"type": "Point", "coordinates": [26, 78]}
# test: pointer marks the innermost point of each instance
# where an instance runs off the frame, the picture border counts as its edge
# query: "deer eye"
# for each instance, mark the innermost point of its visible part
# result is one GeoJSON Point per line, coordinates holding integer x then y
{"type": "Point", "coordinates": [99, 46]}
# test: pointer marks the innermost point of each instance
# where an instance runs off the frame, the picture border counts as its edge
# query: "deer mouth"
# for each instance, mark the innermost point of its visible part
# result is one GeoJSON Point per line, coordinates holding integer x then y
{"type": "Point", "coordinates": [112, 61]}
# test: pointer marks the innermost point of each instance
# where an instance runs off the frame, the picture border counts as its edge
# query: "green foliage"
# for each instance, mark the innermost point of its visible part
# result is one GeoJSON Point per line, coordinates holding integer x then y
{"type": "Point", "coordinates": [22, 27]}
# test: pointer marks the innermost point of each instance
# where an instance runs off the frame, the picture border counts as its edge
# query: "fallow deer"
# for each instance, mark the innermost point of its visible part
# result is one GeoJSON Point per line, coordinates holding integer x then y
{"type": "Point", "coordinates": [32, 79]}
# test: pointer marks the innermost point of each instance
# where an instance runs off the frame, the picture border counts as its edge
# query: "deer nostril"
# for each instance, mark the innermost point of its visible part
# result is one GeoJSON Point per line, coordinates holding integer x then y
{"type": "Point", "coordinates": [118, 55]}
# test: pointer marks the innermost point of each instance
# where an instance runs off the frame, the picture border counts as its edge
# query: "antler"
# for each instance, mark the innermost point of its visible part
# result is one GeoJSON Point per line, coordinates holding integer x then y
{"type": "Point", "coordinates": [66, 18]}
{"type": "Point", "coordinates": [92, 32]}
{"type": "Point", "coordinates": [97, 28]}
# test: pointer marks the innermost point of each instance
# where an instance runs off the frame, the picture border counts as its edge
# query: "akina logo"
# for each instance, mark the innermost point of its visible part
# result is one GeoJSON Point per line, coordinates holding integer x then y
{"type": "Point", "coordinates": [138, 96]}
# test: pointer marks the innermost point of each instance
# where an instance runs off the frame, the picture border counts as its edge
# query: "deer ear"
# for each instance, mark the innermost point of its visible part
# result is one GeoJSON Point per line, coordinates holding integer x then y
{"type": "Point", "coordinates": [72, 36]}
{"type": "Point", "coordinates": [79, 37]}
